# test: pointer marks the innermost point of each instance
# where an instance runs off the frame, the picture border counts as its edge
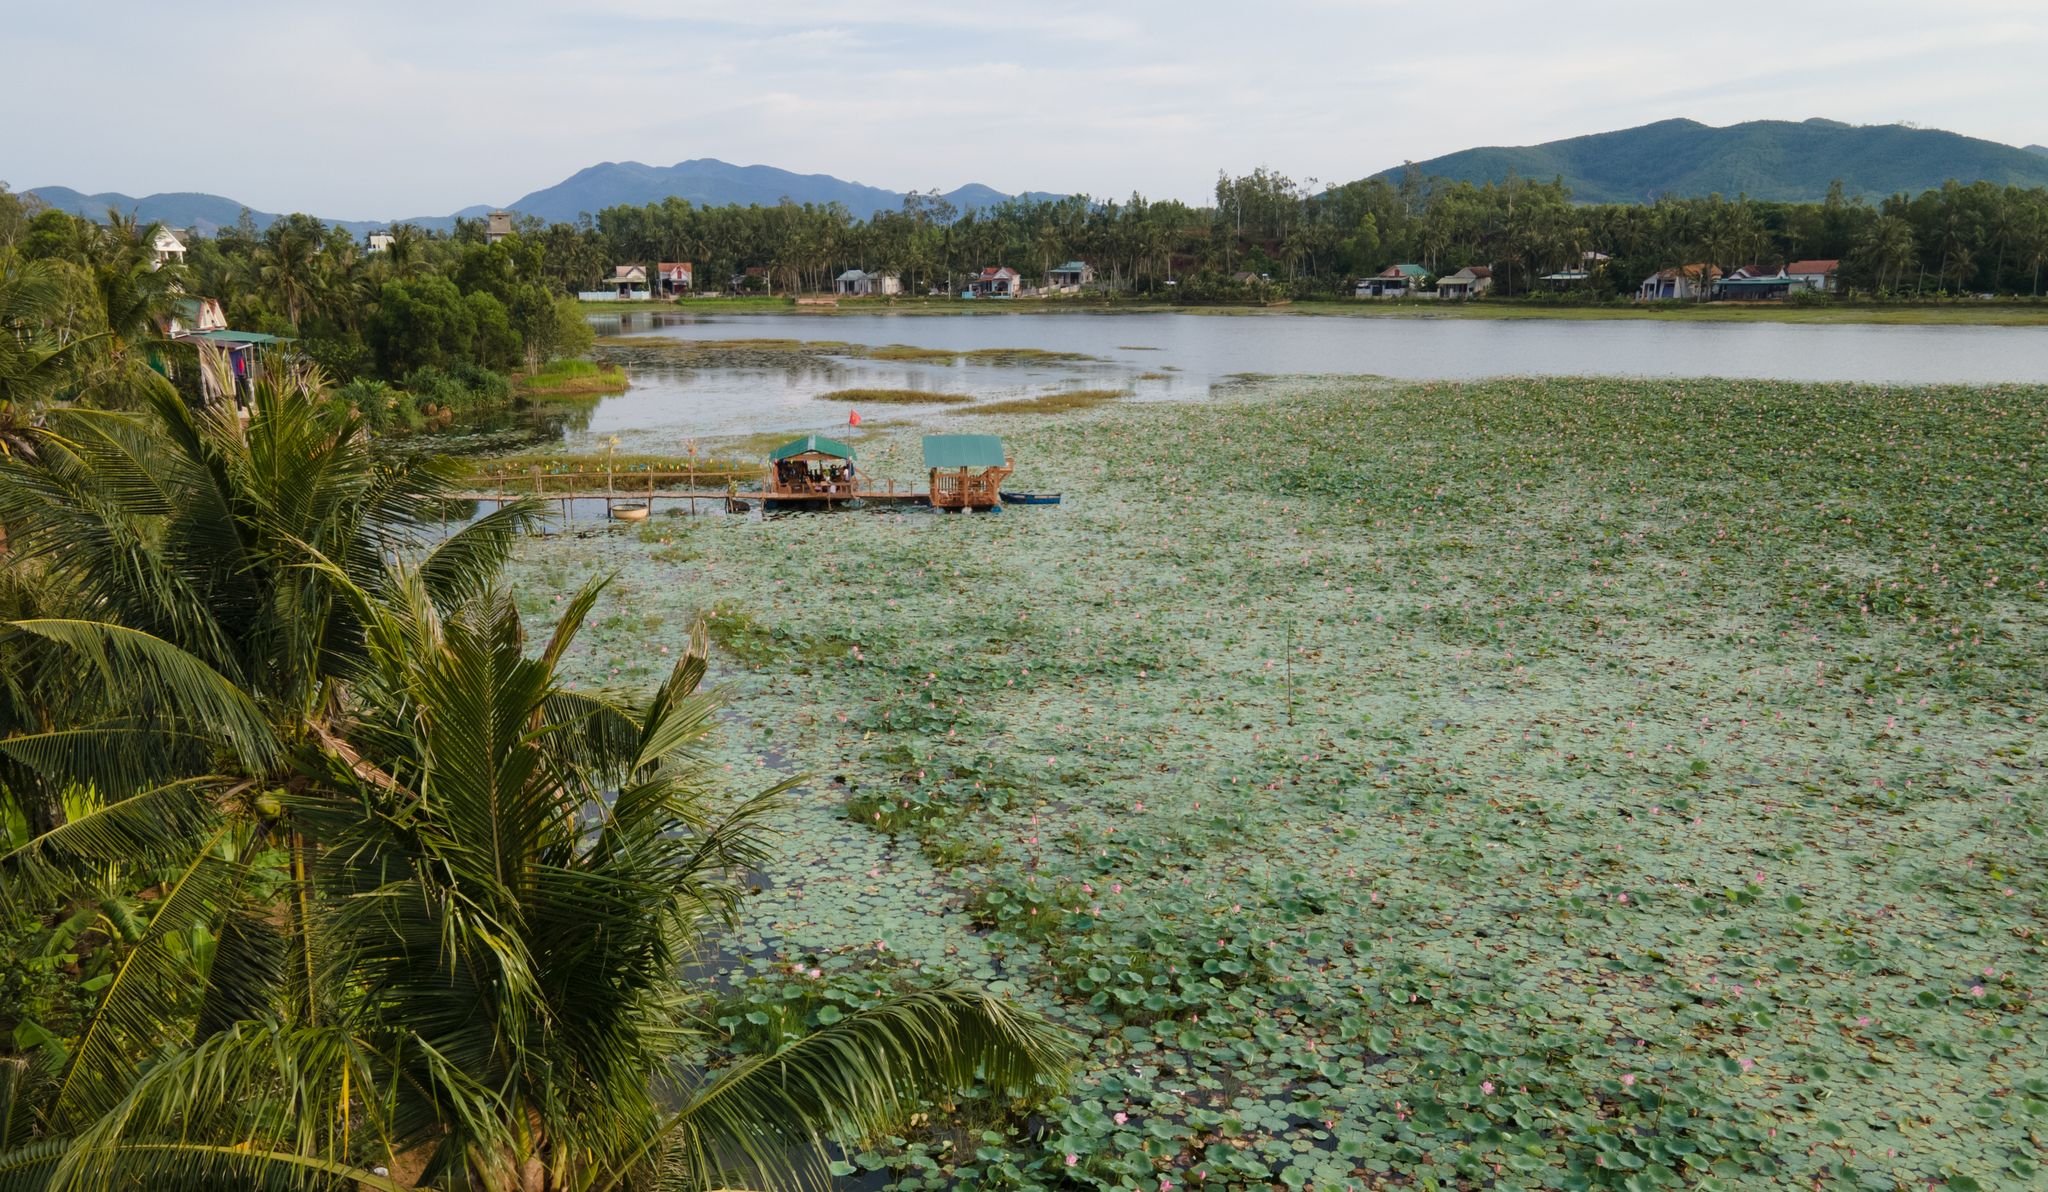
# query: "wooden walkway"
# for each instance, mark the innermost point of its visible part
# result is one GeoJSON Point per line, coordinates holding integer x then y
{"type": "Point", "coordinates": [651, 489]}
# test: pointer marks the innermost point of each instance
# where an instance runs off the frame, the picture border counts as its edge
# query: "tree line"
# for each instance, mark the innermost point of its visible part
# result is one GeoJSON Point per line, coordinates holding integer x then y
{"type": "Point", "coordinates": [1316, 242]}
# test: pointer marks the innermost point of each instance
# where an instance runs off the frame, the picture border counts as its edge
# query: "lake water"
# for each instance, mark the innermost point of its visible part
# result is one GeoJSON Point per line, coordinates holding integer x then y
{"type": "Point", "coordinates": [1178, 357]}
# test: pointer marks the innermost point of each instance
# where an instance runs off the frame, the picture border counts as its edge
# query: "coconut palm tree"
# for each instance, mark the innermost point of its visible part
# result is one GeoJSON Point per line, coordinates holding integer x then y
{"type": "Point", "coordinates": [465, 976]}
{"type": "Point", "coordinates": [206, 651]}
{"type": "Point", "coordinates": [1887, 250]}
{"type": "Point", "coordinates": [34, 364]}
{"type": "Point", "coordinates": [289, 266]}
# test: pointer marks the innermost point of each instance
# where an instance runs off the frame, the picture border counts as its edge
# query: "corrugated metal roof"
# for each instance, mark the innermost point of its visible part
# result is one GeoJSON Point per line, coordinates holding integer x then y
{"type": "Point", "coordinates": [963, 451]}
{"type": "Point", "coordinates": [812, 443]}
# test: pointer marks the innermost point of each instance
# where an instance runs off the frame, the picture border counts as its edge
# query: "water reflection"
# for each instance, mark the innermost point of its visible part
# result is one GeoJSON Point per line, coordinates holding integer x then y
{"type": "Point", "coordinates": [1180, 357]}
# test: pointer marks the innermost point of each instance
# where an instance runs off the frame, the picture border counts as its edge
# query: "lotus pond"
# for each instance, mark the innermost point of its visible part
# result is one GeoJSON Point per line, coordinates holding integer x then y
{"type": "Point", "coordinates": [1512, 784]}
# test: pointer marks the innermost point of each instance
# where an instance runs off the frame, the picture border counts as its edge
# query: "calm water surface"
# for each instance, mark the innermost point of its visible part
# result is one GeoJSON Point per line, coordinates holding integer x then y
{"type": "Point", "coordinates": [1178, 357]}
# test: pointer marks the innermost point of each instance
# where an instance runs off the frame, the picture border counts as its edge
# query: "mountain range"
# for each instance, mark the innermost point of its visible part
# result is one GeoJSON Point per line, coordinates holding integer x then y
{"type": "Point", "coordinates": [704, 181]}
{"type": "Point", "coordinates": [1776, 160]}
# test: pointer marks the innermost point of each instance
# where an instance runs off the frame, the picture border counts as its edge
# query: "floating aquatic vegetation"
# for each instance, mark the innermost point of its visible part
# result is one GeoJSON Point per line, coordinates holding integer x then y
{"type": "Point", "coordinates": [908, 353]}
{"type": "Point", "coordinates": [1523, 784]}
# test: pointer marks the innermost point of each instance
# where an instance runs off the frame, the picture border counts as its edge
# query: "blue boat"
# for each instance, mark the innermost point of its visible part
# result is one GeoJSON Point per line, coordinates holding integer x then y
{"type": "Point", "coordinates": [1010, 498]}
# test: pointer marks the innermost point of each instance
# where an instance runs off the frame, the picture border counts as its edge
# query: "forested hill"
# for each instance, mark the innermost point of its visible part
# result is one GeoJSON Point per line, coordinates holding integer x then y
{"type": "Point", "coordinates": [207, 212]}
{"type": "Point", "coordinates": [1776, 160]}
{"type": "Point", "coordinates": [705, 182]}
{"type": "Point", "coordinates": [709, 182]}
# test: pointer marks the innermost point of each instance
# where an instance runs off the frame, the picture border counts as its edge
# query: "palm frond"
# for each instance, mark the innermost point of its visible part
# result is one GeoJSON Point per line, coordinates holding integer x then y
{"type": "Point", "coordinates": [765, 1120]}
{"type": "Point", "coordinates": [131, 661]}
{"type": "Point", "coordinates": [149, 985]}
{"type": "Point", "coordinates": [465, 564]}
{"type": "Point", "coordinates": [149, 827]}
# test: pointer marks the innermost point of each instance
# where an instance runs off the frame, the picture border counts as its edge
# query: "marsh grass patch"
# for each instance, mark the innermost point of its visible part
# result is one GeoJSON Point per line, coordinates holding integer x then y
{"type": "Point", "coordinates": [904, 397]}
{"type": "Point", "coordinates": [1065, 401]}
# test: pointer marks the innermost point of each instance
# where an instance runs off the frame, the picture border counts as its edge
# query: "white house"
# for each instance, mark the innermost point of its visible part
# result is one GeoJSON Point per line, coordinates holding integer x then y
{"type": "Point", "coordinates": [627, 281]}
{"type": "Point", "coordinates": [993, 282]}
{"type": "Point", "coordinates": [1469, 282]}
{"type": "Point", "coordinates": [1680, 283]}
{"type": "Point", "coordinates": [858, 283]}
{"type": "Point", "coordinates": [1819, 275]}
{"type": "Point", "coordinates": [1395, 281]}
{"type": "Point", "coordinates": [168, 248]}
{"type": "Point", "coordinates": [1070, 276]}
{"type": "Point", "coordinates": [381, 241]}
{"type": "Point", "coordinates": [498, 227]}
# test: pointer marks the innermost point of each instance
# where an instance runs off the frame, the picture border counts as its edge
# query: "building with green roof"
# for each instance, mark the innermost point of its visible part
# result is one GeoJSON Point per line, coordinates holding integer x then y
{"type": "Point", "coordinates": [967, 471]}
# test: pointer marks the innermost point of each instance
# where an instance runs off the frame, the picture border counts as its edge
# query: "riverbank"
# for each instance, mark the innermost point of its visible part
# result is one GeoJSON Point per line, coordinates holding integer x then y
{"type": "Point", "coordinates": [1427, 781]}
{"type": "Point", "coordinates": [1992, 313]}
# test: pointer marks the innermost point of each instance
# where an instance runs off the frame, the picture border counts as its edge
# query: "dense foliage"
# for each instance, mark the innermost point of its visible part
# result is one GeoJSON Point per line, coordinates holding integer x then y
{"type": "Point", "coordinates": [86, 304]}
{"type": "Point", "coordinates": [1311, 241]}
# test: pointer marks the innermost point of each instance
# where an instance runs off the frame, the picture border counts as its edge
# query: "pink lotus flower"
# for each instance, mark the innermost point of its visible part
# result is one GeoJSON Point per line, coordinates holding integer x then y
{"type": "Point", "coordinates": [1073, 1159]}
{"type": "Point", "coordinates": [1122, 1117]}
{"type": "Point", "coordinates": [1746, 1063]}
{"type": "Point", "coordinates": [1486, 1086]}
{"type": "Point", "coordinates": [1628, 1080]}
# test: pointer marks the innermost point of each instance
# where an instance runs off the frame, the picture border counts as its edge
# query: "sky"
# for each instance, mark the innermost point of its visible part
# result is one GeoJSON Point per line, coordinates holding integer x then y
{"type": "Point", "coordinates": [368, 109]}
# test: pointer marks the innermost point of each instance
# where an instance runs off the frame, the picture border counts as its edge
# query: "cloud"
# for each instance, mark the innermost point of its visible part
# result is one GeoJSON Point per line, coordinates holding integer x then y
{"type": "Point", "coordinates": [375, 108]}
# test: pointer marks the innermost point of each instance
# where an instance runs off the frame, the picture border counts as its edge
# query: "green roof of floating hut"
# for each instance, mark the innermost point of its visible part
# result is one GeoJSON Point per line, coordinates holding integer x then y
{"type": "Point", "coordinates": [963, 451]}
{"type": "Point", "coordinates": [811, 444]}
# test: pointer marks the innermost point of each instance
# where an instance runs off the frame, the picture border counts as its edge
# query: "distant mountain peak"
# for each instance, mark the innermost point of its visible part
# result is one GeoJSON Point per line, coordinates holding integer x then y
{"type": "Point", "coordinates": [1778, 160]}
{"type": "Point", "coordinates": [704, 181]}
{"type": "Point", "coordinates": [708, 181]}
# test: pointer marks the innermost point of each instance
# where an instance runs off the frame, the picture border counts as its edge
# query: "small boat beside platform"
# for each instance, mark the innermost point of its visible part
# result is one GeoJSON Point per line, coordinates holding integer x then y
{"type": "Point", "coordinates": [1016, 498]}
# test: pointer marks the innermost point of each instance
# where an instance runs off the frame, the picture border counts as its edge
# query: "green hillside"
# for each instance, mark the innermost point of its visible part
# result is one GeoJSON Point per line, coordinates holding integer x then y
{"type": "Point", "coordinates": [1764, 159]}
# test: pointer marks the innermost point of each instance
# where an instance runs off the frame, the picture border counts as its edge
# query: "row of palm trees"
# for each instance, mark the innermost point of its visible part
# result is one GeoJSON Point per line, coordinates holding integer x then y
{"type": "Point", "coordinates": [389, 902]}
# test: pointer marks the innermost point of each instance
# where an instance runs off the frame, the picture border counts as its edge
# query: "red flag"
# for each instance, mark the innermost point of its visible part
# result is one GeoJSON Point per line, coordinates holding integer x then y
{"type": "Point", "coordinates": [853, 419]}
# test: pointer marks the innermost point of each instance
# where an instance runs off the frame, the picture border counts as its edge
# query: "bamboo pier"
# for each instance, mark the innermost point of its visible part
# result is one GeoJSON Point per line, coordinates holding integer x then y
{"type": "Point", "coordinates": [675, 487]}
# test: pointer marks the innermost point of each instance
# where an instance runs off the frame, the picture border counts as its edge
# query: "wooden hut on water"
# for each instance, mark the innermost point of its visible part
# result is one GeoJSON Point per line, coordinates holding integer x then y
{"type": "Point", "coordinates": [811, 469]}
{"type": "Point", "coordinates": [967, 471]}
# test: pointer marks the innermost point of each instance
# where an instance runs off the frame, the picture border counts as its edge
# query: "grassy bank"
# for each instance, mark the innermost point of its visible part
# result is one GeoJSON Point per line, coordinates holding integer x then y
{"type": "Point", "coordinates": [1996, 313]}
{"type": "Point", "coordinates": [571, 378]}
{"type": "Point", "coordinates": [704, 305]}
{"type": "Point", "coordinates": [1505, 785]}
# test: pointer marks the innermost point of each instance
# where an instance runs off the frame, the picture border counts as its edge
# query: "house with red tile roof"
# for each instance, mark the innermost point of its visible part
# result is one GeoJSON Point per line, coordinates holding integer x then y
{"type": "Point", "coordinates": [672, 278]}
{"type": "Point", "coordinates": [1821, 275]}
